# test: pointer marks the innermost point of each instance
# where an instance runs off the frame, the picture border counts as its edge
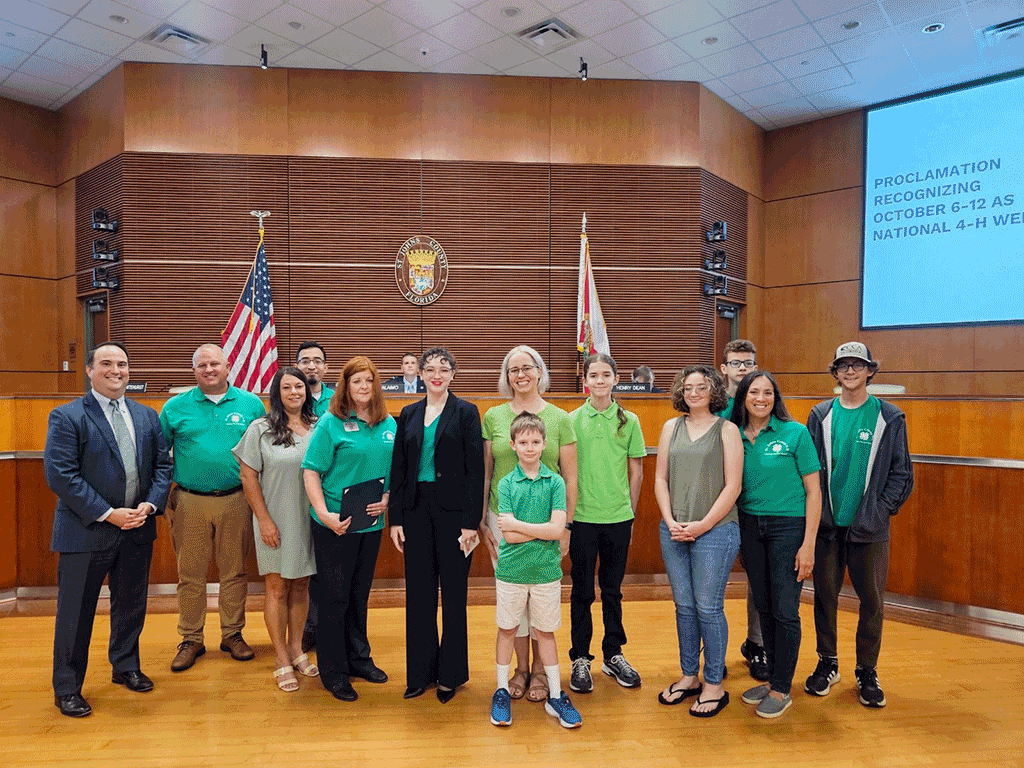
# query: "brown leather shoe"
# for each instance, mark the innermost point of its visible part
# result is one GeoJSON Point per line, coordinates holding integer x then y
{"type": "Point", "coordinates": [188, 652]}
{"type": "Point", "coordinates": [237, 647]}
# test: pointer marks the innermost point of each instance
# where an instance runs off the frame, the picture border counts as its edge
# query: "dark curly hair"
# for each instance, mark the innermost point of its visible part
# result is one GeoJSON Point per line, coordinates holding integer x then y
{"type": "Point", "coordinates": [719, 397]}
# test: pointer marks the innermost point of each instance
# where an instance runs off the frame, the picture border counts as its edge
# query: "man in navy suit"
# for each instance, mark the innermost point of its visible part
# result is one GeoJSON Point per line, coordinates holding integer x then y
{"type": "Point", "coordinates": [107, 462]}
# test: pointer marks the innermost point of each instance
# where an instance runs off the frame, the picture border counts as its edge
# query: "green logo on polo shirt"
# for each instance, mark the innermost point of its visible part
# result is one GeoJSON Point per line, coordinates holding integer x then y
{"type": "Point", "coordinates": [389, 436]}
{"type": "Point", "coordinates": [776, 448]}
{"type": "Point", "coordinates": [864, 435]}
{"type": "Point", "coordinates": [234, 418]}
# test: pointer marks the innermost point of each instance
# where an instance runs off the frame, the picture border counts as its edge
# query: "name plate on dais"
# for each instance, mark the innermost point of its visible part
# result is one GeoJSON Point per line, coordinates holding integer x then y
{"type": "Point", "coordinates": [421, 270]}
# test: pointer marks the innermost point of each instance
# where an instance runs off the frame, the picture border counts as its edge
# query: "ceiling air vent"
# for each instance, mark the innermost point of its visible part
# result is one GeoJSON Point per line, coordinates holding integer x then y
{"type": "Point", "coordinates": [176, 40]}
{"type": "Point", "coordinates": [1001, 33]}
{"type": "Point", "coordinates": [548, 36]}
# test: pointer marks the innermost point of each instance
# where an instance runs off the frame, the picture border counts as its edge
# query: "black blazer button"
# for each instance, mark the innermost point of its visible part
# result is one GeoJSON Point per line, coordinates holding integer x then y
{"type": "Point", "coordinates": [438, 474]}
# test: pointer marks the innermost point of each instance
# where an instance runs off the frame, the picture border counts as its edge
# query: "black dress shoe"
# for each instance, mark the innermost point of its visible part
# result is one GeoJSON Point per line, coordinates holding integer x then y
{"type": "Point", "coordinates": [72, 705]}
{"type": "Point", "coordinates": [343, 690]}
{"type": "Point", "coordinates": [444, 696]}
{"type": "Point", "coordinates": [133, 680]}
{"type": "Point", "coordinates": [412, 693]}
{"type": "Point", "coordinates": [371, 673]}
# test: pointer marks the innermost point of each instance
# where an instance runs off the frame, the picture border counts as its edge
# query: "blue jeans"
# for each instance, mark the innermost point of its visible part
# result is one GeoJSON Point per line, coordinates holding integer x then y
{"type": "Point", "coordinates": [770, 544]}
{"type": "Point", "coordinates": [698, 572]}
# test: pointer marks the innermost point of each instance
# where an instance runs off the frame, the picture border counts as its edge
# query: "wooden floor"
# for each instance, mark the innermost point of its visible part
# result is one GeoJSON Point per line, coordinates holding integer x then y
{"type": "Point", "coordinates": [952, 700]}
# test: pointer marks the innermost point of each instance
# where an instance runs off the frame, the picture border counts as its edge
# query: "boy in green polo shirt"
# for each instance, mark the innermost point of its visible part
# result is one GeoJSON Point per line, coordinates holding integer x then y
{"type": "Point", "coordinates": [531, 516]}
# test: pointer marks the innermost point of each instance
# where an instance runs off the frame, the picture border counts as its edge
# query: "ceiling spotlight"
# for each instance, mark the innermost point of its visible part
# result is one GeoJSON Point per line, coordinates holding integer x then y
{"type": "Point", "coordinates": [851, 25]}
{"type": "Point", "coordinates": [263, 57]}
{"type": "Point", "coordinates": [511, 12]}
{"type": "Point", "coordinates": [296, 25]}
{"type": "Point", "coordinates": [8, 34]}
{"type": "Point", "coordinates": [931, 29]}
{"type": "Point", "coordinates": [709, 41]}
{"type": "Point", "coordinates": [583, 70]}
{"type": "Point", "coordinates": [118, 19]}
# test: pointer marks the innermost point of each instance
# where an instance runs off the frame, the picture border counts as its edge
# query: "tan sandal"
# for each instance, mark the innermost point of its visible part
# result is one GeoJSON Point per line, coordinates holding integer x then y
{"type": "Point", "coordinates": [285, 677]}
{"type": "Point", "coordinates": [517, 684]}
{"type": "Point", "coordinates": [539, 689]}
{"type": "Point", "coordinates": [309, 670]}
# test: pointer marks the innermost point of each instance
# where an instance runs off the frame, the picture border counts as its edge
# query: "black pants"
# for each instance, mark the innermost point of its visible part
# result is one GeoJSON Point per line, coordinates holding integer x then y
{"type": "Point", "coordinates": [314, 601]}
{"type": "Point", "coordinates": [79, 578]}
{"type": "Point", "coordinates": [345, 564]}
{"type": "Point", "coordinates": [606, 546]}
{"type": "Point", "coordinates": [868, 566]}
{"type": "Point", "coordinates": [432, 556]}
{"type": "Point", "coordinates": [769, 544]}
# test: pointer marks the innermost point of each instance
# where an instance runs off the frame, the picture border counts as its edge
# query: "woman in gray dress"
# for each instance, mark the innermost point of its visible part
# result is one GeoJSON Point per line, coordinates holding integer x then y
{"type": "Point", "coordinates": [270, 456]}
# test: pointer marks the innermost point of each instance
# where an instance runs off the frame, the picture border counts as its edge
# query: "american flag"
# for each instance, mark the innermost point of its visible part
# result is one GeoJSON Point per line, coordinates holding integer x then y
{"type": "Point", "coordinates": [250, 338]}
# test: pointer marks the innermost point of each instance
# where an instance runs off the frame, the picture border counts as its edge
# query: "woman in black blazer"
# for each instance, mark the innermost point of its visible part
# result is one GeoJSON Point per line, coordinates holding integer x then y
{"type": "Point", "coordinates": [437, 481]}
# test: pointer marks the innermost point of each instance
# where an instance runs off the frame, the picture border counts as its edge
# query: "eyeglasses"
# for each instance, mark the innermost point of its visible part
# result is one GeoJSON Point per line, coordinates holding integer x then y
{"type": "Point", "coordinates": [311, 361]}
{"type": "Point", "coordinates": [856, 365]}
{"type": "Point", "coordinates": [742, 364]}
{"type": "Point", "coordinates": [437, 371]}
{"type": "Point", "coordinates": [527, 369]}
{"type": "Point", "coordinates": [699, 389]}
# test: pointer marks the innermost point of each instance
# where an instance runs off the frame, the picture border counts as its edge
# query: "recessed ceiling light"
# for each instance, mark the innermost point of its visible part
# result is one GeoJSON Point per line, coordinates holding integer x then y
{"type": "Point", "coordinates": [709, 41]}
{"type": "Point", "coordinates": [511, 12]}
{"type": "Point", "coordinates": [8, 34]}
{"type": "Point", "coordinates": [296, 24]}
{"type": "Point", "coordinates": [851, 25]}
{"type": "Point", "coordinates": [931, 29]}
{"type": "Point", "coordinates": [119, 19]}
{"type": "Point", "coordinates": [805, 63]}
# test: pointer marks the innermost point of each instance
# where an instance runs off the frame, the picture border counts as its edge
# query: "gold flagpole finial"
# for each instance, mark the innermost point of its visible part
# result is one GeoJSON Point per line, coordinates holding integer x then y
{"type": "Point", "coordinates": [261, 215]}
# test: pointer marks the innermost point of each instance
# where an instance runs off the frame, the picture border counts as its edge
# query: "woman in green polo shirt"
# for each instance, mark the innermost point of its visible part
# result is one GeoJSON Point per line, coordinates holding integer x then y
{"type": "Point", "coordinates": [780, 506]}
{"type": "Point", "coordinates": [351, 445]}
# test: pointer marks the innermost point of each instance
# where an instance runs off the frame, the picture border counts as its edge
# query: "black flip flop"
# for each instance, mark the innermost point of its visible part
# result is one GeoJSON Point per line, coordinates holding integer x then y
{"type": "Point", "coordinates": [712, 712]}
{"type": "Point", "coordinates": [687, 693]}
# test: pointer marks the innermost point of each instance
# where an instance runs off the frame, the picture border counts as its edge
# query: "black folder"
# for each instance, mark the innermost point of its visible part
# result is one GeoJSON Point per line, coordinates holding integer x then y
{"type": "Point", "coordinates": [354, 500]}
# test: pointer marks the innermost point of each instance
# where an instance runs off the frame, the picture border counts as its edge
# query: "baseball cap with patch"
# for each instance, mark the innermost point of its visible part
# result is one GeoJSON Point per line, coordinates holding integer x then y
{"type": "Point", "coordinates": [856, 350]}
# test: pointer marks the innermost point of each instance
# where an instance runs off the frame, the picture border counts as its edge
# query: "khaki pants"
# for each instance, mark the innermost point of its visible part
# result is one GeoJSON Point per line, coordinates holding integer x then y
{"type": "Point", "coordinates": [202, 526]}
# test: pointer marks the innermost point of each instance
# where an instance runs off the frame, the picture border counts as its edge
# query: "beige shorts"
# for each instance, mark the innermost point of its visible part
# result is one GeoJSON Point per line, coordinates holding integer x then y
{"type": "Point", "coordinates": [544, 602]}
{"type": "Point", "coordinates": [492, 523]}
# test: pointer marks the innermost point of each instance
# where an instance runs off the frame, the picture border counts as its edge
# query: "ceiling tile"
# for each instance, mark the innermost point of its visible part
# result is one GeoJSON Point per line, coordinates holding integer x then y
{"type": "Point", "coordinates": [160, 9]}
{"type": "Point", "coordinates": [751, 79]}
{"type": "Point", "coordinates": [304, 58]}
{"type": "Point", "coordinates": [806, 63]}
{"type": "Point", "coordinates": [226, 55]}
{"type": "Point", "coordinates": [900, 11]}
{"type": "Point", "coordinates": [870, 17]}
{"type": "Point", "coordinates": [685, 17]}
{"type": "Point", "coordinates": [412, 50]}
{"type": "Point", "coordinates": [252, 37]}
{"type": "Point", "coordinates": [825, 80]}
{"type": "Point", "coordinates": [786, 110]}
{"type": "Point", "coordinates": [95, 38]}
{"type": "Point", "coordinates": [849, 97]}
{"type": "Point", "coordinates": [279, 19]}
{"type": "Point", "coordinates": [463, 64]}
{"type": "Point", "coordinates": [727, 35]}
{"type": "Point", "coordinates": [70, 7]}
{"type": "Point", "coordinates": [643, 7]}
{"type": "Point", "coordinates": [59, 72]}
{"type": "Point", "coordinates": [530, 12]}
{"type": "Point", "coordinates": [615, 70]}
{"type": "Point", "coordinates": [894, 64]}
{"type": "Point", "coordinates": [337, 12]}
{"type": "Point", "coordinates": [630, 37]}
{"type": "Point", "coordinates": [20, 38]}
{"type": "Point", "coordinates": [465, 31]}
{"type": "Point", "coordinates": [729, 8]}
{"type": "Point", "coordinates": [770, 20]}
{"type": "Point", "coordinates": [385, 61]}
{"type": "Point", "coordinates": [789, 43]}
{"type": "Point", "coordinates": [206, 21]}
{"type": "Point", "coordinates": [657, 58]}
{"type": "Point", "coordinates": [597, 16]}
{"type": "Point", "coordinates": [539, 68]}
{"type": "Point", "coordinates": [344, 47]}
{"type": "Point", "coordinates": [959, 60]}
{"type": "Point", "coordinates": [75, 55]}
{"type": "Point", "coordinates": [957, 31]}
{"type": "Point", "coordinates": [773, 94]}
{"type": "Point", "coordinates": [568, 58]}
{"type": "Point", "coordinates": [735, 59]}
{"type": "Point", "coordinates": [139, 51]}
{"type": "Point", "coordinates": [247, 10]}
{"type": "Point", "coordinates": [12, 58]}
{"type": "Point", "coordinates": [557, 6]}
{"type": "Point", "coordinates": [420, 14]}
{"type": "Point", "coordinates": [719, 88]}
{"type": "Point", "coordinates": [136, 24]}
{"type": "Point", "coordinates": [756, 117]}
{"type": "Point", "coordinates": [4, 72]}
{"type": "Point", "coordinates": [503, 53]}
{"type": "Point", "coordinates": [35, 89]}
{"type": "Point", "coordinates": [381, 28]}
{"type": "Point", "coordinates": [691, 71]}
{"type": "Point", "coordinates": [877, 44]}
{"type": "Point", "coordinates": [988, 12]}
{"type": "Point", "coordinates": [819, 9]}
{"type": "Point", "coordinates": [32, 16]}
{"type": "Point", "coordinates": [737, 102]}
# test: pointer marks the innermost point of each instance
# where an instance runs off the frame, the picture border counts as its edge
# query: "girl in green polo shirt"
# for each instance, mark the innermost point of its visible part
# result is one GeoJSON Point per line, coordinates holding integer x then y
{"type": "Point", "coordinates": [780, 507]}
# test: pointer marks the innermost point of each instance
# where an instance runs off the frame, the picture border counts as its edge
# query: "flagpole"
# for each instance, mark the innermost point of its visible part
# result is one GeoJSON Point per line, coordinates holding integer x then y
{"type": "Point", "coordinates": [260, 215]}
{"type": "Point", "coordinates": [579, 355]}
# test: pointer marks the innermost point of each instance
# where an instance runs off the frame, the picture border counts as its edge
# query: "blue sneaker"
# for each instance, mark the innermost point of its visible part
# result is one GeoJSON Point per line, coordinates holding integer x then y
{"type": "Point", "coordinates": [501, 708]}
{"type": "Point", "coordinates": [563, 709]}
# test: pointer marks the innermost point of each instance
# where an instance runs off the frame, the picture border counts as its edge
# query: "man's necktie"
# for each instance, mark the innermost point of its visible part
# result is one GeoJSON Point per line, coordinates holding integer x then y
{"type": "Point", "coordinates": [127, 448]}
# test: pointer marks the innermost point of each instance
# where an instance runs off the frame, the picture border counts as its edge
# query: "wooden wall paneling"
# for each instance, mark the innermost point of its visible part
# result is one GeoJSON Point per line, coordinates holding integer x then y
{"type": "Point", "coordinates": [472, 117]}
{"type": "Point", "coordinates": [354, 114]}
{"type": "Point", "coordinates": [731, 146]}
{"type": "Point", "coordinates": [27, 334]}
{"type": "Point", "coordinates": [813, 238]}
{"type": "Point", "coordinates": [996, 499]}
{"type": "Point", "coordinates": [645, 547]}
{"type": "Point", "coordinates": [820, 156]}
{"type": "Point", "coordinates": [803, 325]}
{"type": "Point", "coordinates": [625, 122]}
{"type": "Point", "coordinates": [756, 239]}
{"type": "Point", "coordinates": [997, 348]}
{"type": "Point", "coordinates": [8, 524]}
{"type": "Point", "coordinates": [751, 319]}
{"type": "Point", "coordinates": [37, 565]}
{"type": "Point", "coordinates": [90, 128]}
{"type": "Point", "coordinates": [69, 331]}
{"type": "Point", "coordinates": [29, 215]}
{"type": "Point", "coordinates": [210, 109]}
{"type": "Point", "coordinates": [28, 143]}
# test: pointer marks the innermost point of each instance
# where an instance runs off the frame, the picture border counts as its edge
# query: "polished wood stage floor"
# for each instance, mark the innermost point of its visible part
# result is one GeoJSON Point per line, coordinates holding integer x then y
{"type": "Point", "coordinates": [952, 700]}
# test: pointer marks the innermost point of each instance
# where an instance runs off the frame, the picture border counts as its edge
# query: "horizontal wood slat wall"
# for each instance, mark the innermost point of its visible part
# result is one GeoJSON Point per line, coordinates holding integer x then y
{"type": "Point", "coordinates": [511, 232]}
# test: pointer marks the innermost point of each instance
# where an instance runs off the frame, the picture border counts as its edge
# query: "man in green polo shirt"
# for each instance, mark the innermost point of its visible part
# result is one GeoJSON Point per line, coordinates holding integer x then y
{"type": "Point", "coordinates": [208, 512]}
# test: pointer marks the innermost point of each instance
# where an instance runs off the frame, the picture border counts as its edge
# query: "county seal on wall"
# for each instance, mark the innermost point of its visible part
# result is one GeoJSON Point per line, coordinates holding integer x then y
{"type": "Point", "coordinates": [421, 270]}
